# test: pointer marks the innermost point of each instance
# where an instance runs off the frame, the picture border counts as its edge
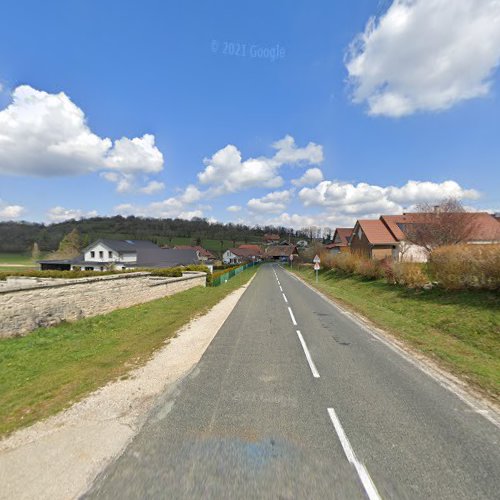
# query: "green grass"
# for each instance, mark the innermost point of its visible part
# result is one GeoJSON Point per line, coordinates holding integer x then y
{"type": "Point", "coordinates": [211, 245]}
{"type": "Point", "coordinates": [459, 330]}
{"type": "Point", "coordinates": [16, 262]}
{"type": "Point", "coordinates": [46, 371]}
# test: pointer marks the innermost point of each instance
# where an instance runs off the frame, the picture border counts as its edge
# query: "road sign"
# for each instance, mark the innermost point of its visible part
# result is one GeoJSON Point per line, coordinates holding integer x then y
{"type": "Point", "coordinates": [316, 266]}
{"type": "Point", "coordinates": [291, 256]}
{"type": "Point", "coordinates": [316, 259]}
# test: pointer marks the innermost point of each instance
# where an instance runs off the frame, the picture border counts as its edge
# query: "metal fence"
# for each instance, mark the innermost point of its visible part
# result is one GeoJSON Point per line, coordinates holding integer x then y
{"type": "Point", "coordinates": [224, 278]}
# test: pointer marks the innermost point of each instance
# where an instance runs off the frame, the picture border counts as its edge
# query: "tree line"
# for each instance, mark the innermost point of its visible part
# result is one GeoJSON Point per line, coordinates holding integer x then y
{"type": "Point", "coordinates": [18, 237]}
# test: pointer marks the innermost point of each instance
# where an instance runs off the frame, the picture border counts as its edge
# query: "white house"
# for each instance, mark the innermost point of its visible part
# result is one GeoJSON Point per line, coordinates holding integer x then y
{"type": "Point", "coordinates": [106, 254]}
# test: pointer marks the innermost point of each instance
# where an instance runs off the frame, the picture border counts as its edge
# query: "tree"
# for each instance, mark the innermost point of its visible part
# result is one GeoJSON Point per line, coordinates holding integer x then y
{"type": "Point", "coordinates": [69, 247]}
{"type": "Point", "coordinates": [434, 226]}
{"type": "Point", "coordinates": [35, 252]}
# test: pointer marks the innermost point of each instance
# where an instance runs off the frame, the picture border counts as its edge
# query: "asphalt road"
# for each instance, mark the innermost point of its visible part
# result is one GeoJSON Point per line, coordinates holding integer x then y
{"type": "Point", "coordinates": [330, 412]}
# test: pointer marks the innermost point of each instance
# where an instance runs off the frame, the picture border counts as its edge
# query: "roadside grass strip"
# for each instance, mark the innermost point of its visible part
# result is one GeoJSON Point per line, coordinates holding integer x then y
{"type": "Point", "coordinates": [459, 330]}
{"type": "Point", "coordinates": [51, 368]}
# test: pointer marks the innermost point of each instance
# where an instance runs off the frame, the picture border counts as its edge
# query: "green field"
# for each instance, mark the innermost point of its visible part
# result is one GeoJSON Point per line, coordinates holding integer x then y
{"type": "Point", "coordinates": [459, 330]}
{"type": "Point", "coordinates": [47, 370]}
{"type": "Point", "coordinates": [212, 245]}
{"type": "Point", "coordinates": [16, 262]}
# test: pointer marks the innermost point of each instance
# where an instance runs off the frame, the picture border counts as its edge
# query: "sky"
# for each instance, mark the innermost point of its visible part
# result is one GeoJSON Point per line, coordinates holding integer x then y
{"type": "Point", "coordinates": [286, 113]}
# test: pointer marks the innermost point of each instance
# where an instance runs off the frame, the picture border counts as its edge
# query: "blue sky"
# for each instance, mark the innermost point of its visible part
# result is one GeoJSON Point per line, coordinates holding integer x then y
{"type": "Point", "coordinates": [140, 108]}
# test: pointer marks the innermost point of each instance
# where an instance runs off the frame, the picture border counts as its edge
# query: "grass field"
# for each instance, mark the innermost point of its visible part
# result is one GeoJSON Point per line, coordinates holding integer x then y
{"type": "Point", "coordinates": [212, 245]}
{"type": "Point", "coordinates": [16, 262]}
{"type": "Point", "coordinates": [459, 330]}
{"type": "Point", "coordinates": [46, 371]}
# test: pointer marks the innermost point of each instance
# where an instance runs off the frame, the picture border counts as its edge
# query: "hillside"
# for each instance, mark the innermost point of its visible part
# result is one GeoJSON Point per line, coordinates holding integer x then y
{"type": "Point", "coordinates": [20, 236]}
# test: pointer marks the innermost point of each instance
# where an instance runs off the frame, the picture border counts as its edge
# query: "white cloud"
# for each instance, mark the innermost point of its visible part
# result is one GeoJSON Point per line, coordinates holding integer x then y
{"type": "Point", "coordinates": [60, 214]}
{"type": "Point", "coordinates": [310, 177]}
{"type": "Point", "coordinates": [274, 202]}
{"type": "Point", "coordinates": [45, 135]}
{"type": "Point", "coordinates": [152, 187]}
{"type": "Point", "coordinates": [226, 172]}
{"type": "Point", "coordinates": [289, 153]}
{"type": "Point", "coordinates": [425, 55]}
{"type": "Point", "coordinates": [10, 212]}
{"type": "Point", "coordinates": [365, 198]}
{"type": "Point", "coordinates": [233, 208]}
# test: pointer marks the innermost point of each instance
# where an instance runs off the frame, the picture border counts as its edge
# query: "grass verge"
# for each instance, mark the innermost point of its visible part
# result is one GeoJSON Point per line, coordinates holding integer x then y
{"type": "Point", "coordinates": [459, 330]}
{"type": "Point", "coordinates": [49, 369]}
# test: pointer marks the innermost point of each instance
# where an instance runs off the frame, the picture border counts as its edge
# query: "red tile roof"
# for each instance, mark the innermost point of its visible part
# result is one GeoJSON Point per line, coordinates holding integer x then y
{"type": "Point", "coordinates": [271, 237]}
{"type": "Point", "coordinates": [344, 234]}
{"type": "Point", "coordinates": [254, 248]}
{"type": "Point", "coordinates": [376, 232]}
{"type": "Point", "coordinates": [484, 226]}
{"type": "Point", "coordinates": [243, 252]}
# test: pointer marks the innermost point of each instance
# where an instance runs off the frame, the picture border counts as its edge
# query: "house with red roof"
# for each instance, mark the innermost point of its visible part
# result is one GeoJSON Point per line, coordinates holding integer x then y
{"type": "Point", "coordinates": [203, 253]}
{"type": "Point", "coordinates": [340, 241]}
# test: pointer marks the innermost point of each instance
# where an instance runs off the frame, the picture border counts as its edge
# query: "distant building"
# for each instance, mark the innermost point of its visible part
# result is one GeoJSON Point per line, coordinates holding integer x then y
{"type": "Point", "coordinates": [255, 248]}
{"type": "Point", "coordinates": [271, 238]}
{"type": "Point", "coordinates": [281, 252]}
{"type": "Point", "coordinates": [372, 239]}
{"type": "Point", "coordinates": [204, 254]}
{"type": "Point", "coordinates": [105, 254]}
{"type": "Point", "coordinates": [241, 255]}
{"type": "Point", "coordinates": [340, 242]}
{"type": "Point", "coordinates": [302, 244]}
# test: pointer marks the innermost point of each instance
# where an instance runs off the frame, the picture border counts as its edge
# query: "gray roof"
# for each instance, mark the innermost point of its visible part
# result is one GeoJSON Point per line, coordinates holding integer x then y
{"type": "Point", "coordinates": [124, 245]}
{"type": "Point", "coordinates": [166, 257]}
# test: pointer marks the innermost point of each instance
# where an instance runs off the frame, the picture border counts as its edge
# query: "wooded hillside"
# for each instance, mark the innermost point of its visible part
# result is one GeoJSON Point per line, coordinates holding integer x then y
{"type": "Point", "coordinates": [20, 236]}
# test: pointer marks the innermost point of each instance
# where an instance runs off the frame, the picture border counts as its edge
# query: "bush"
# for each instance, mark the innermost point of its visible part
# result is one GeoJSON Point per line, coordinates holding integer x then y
{"type": "Point", "coordinates": [459, 267]}
{"type": "Point", "coordinates": [345, 262]}
{"type": "Point", "coordinates": [369, 269]}
{"type": "Point", "coordinates": [56, 274]}
{"type": "Point", "coordinates": [409, 274]}
{"type": "Point", "coordinates": [202, 269]}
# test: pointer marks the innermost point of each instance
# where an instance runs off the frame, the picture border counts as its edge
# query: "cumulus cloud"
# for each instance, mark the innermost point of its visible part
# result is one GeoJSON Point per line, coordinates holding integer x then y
{"type": "Point", "coordinates": [233, 208]}
{"type": "Point", "coordinates": [274, 202]}
{"type": "Point", "coordinates": [10, 212]}
{"type": "Point", "coordinates": [43, 134]}
{"type": "Point", "coordinates": [180, 206]}
{"type": "Point", "coordinates": [365, 198]}
{"type": "Point", "coordinates": [152, 187]}
{"type": "Point", "coordinates": [425, 55]}
{"type": "Point", "coordinates": [311, 176]}
{"type": "Point", "coordinates": [60, 214]}
{"type": "Point", "coordinates": [227, 172]}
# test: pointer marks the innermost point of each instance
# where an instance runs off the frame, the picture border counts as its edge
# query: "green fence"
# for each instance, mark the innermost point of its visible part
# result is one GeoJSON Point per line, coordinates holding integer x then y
{"type": "Point", "coordinates": [224, 278]}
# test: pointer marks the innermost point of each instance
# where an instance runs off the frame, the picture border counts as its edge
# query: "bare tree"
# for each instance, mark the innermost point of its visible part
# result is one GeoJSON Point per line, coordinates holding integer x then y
{"type": "Point", "coordinates": [432, 226]}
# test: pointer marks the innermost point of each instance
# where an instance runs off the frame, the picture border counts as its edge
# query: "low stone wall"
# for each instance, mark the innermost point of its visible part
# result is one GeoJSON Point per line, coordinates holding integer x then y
{"type": "Point", "coordinates": [29, 303]}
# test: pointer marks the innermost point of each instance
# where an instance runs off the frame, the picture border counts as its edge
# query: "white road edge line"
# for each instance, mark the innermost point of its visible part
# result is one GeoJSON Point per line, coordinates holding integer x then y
{"type": "Point", "coordinates": [312, 366]}
{"type": "Point", "coordinates": [292, 316]}
{"type": "Point", "coordinates": [442, 380]}
{"type": "Point", "coordinates": [366, 480]}
{"type": "Point", "coordinates": [284, 296]}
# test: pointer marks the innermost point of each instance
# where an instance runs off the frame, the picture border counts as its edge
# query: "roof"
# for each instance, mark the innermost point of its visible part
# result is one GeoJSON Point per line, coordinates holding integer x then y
{"type": "Point", "coordinates": [123, 245]}
{"type": "Point", "coordinates": [281, 251]}
{"type": "Point", "coordinates": [165, 257]}
{"type": "Point", "coordinates": [244, 252]}
{"type": "Point", "coordinates": [376, 232]}
{"type": "Point", "coordinates": [484, 226]}
{"type": "Point", "coordinates": [204, 252]}
{"type": "Point", "coordinates": [344, 233]}
{"type": "Point", "coordinates": [255, 248]}
{"type": "Point", "coordinates": [269, 236]}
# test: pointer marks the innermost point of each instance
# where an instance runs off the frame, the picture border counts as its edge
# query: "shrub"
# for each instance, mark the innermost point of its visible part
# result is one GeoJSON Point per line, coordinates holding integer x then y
{"type": "Point", "coordinates": [56, 274]}
{"type": "Point", "coordinates": [345, 262]}
{"type": "Point", "coordinates": [409, 274]}
{"type": "Point", "coordinates": [369, 269]}
{"type": "Point", "coordinates": [200, 268]}
{"type": "Point", "coordinates": [460, 267]}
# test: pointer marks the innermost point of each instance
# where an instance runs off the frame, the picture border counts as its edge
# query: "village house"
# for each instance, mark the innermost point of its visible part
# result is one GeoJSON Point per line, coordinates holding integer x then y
{"type": "Point", "coordinates": [340, 241]}
{"type": "Point", "coordinates": [105, 254]}
{"type": "Point", "coordinates": [372, 239]}
{"type": "Point", "coordinates": [204, 254]}
{"type": "Point", "coordinates": [281, 252]}
{"type": "Point", "coordinates": [271, 238]}
{"type": "Point", "coordinates": [241, 255]}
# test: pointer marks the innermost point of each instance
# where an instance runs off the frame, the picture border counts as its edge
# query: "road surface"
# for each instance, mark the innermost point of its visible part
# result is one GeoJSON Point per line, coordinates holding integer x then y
{"type": "Point", "coordinates": [293, 399]}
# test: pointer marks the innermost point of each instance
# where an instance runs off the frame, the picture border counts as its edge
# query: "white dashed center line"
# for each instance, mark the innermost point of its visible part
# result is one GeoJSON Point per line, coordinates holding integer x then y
{"type": "Point", "coordinates": [312, 366]}
{"type": "Point", "coordinates": [292, 316]}
{"type": "Point", "coordinates": [366, 480]}
{"type": "Point", "coordinates": [284, 296]}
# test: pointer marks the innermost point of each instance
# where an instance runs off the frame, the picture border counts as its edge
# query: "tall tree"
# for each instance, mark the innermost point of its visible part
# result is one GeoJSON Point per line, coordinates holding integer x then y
{"type": "Point", "coordinates": [432, 226]}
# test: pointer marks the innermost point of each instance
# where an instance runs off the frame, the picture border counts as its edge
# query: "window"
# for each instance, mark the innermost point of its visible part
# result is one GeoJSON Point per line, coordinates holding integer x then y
{"type": "Point", "coordinates": [110, 254]}
{"type": "Point", "coordinates": [360, 233]}
{"type": "Point", "coordinates": [101, 254]}
{"type": "Point", "coordinates": [89, 268]}
{"type": "Point", "coordinates": [92, 254]}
